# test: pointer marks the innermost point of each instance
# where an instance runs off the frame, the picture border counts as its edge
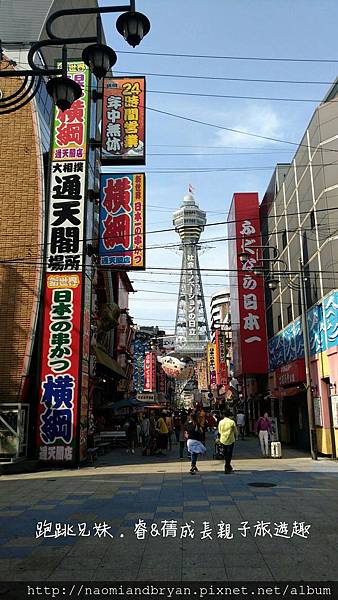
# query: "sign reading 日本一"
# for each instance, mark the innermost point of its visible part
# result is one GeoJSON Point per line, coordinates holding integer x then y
{"type": "Point", "coordinates": [123, 130]}
{"type": "Point", "coordinates": [57, 430]}
{"type": "Point", "coordinates": [122, 221]}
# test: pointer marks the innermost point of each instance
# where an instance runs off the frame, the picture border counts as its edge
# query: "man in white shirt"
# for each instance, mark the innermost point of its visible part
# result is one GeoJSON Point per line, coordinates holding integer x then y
{"type": "Point", "coordinates": [240, 420]}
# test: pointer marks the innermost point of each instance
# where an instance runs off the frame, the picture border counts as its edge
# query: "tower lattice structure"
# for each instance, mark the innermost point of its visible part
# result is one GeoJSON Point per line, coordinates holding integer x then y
{"type": "Point", "coordinates": [192, 330]}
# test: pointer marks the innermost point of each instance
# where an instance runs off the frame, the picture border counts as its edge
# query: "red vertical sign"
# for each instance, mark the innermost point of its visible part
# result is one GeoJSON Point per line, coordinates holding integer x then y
{"type": "Point", "coordinates": [249, 294]}
{"type": "Point", "coordinates": [150, 372]}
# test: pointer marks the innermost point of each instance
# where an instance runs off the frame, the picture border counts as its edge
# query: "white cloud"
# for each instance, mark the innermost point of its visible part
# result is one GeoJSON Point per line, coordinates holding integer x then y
{"type": "Point", "coordinates": [258, 119]}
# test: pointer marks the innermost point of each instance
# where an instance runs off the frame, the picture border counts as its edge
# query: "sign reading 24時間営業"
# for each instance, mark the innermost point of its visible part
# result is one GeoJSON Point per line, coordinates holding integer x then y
{"type": "Point", "coordinates": [123, 121]}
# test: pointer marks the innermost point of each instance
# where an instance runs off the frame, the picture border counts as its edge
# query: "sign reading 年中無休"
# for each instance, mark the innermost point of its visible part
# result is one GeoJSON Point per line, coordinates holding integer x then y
{"type": "Point", "coordinates": [122, 221]}
{"type": "Point", "coordinates": [123, 121]}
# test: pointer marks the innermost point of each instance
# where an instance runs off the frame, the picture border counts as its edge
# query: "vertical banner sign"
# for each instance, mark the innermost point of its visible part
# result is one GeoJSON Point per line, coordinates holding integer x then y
{"type": "Point", "coordinates": [212, 364]}
{"type": "Point", "coordinates": [250, 287]}
{"type": "Point", "coordinates": [202, 374]}
{"type": "Point", "coordinates": [140, 348]}
{"type": "Point", "coordinates": [123, 121]}
{"type": "Point", "coordinates": [150, 372]}
{"type": "Point", "coordinates": [57, 430]}
{"type": "Point", "coordinates": [122, 221]}
{"type": "Point", "coordinates": [222, 373]}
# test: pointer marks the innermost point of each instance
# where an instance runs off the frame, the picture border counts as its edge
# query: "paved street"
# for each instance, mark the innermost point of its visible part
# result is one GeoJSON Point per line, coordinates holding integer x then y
{"type": "Point", "coordinates": [121, 489]}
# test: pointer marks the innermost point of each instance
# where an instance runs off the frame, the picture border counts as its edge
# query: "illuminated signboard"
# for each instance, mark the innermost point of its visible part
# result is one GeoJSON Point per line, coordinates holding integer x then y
{"type": "Point", "coordinates": [122, 221]}
{"type": "Point", "coordinates": [123, 121]}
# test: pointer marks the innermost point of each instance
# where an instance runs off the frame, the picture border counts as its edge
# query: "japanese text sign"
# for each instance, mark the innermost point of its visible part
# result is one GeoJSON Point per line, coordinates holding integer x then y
{"type": "Point", "coordinates": [69, 139]}
{"type": "Point", "coordinates": [57, 412]}
{"type": "Point", "coordinates": [150, 372]}
{"type": "Point", "coordinates": [212, 364]}
{"type": "Point", "coordinates": [248, 293]}
{"type": "Point", "coordinates": [60, 381]}
{"type": "Point", "coordinates": [222, 373]}
{"type": "Point", "coordinates": [123, 129]}
{"type": "Point", "coordinates": [122, 221]}
{"type": "Point", "coordinates": [201, 373]}
{"type": "Point", "coordinates": [66, 216]}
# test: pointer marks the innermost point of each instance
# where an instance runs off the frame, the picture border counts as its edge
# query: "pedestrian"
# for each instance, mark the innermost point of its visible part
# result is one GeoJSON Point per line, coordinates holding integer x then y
{"type": "Point", "coordinates": [162, 432]}
{"type": "Point", "coordinates": [177, 426]}
{"type": "Point", "coordinates": [182, 434]}
{"type": "Point", "coordinates": [201, 416]}
{"type": "Point", "coordinates": [240, 421]}
{"type": "Point", "coordinates": [145, 433]}
{"type": "Point", "coordinates": [263, 427]}
{"type": "Point", "coordinates": [227, 434]}
{"type": "Point", "coordinates": [170, 424]}
{"type": "Point", "coordinates": [131, 433]}
{"type": "Point", "coordinates": [194, 444]}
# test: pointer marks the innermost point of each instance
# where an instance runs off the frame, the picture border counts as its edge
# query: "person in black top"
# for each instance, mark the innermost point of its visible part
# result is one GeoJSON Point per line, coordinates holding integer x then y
{"type": "Point", "coordinates": [194, 433]}
{"type": "Point", "coordinates": [131, 433]}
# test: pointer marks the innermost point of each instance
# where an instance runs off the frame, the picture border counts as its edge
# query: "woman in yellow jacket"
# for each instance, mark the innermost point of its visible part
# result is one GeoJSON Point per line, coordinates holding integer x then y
{"type": "Point", "coordinates": [162, 431]}
{"type": "Point", "coordinates": [227, 433]}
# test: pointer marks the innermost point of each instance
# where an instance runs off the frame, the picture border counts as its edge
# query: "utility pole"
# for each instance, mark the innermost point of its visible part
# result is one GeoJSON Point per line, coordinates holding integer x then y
{"type": "Point", "coordinates": [309, 397]}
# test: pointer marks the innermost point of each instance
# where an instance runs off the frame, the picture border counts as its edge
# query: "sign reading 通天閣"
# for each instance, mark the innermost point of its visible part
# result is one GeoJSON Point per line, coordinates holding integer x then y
{"type": "Point", "coordinates": [123, 121]}
{"type": "Point", "coordinates": [57, 432]}
{"type": "Point", "coordinates": [122, 221]}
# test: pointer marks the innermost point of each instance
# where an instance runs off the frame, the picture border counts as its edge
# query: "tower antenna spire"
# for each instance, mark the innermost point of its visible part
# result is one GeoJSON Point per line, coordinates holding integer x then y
{"type": "Point", "coordinates": [191, 330]}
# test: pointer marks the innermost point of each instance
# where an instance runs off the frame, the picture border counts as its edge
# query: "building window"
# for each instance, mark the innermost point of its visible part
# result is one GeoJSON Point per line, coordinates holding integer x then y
{"type": "Point", "coordinates": [279, 322]}
{"type": "Point", "coordinates": [312, 219]}
{"type": "Point", "coordinates": [284, 240]}
{"type": "Point", "coordinates": [289, 313]}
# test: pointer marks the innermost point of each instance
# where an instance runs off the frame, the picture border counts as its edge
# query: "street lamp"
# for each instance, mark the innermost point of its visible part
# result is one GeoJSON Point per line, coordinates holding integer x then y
{"type": "Point", "coordinates": [97, 56]}
{"type": "Point", "coordinates": [272, 283]}
{"type": "Point", "coordinates": [133, 26]}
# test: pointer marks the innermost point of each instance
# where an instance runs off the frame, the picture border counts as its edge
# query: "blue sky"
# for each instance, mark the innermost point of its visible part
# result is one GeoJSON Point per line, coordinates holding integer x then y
{"type": "Point", "coordinates": [299, 29]}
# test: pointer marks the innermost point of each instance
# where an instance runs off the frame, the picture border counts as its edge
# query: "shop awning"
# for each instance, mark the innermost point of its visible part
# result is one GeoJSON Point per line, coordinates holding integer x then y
{"type": "Point", "coordinates": [107, 361]}
{"type": "Point", "coordinates": [125, 403]}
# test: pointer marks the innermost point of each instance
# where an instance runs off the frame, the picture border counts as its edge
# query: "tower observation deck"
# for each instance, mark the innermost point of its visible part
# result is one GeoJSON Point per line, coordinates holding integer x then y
{"type": "Point", "coordinates": [191, 330]}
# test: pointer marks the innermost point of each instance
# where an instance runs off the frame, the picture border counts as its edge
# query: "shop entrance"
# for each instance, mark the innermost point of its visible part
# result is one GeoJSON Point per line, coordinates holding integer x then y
{"type": "Point", "coordinates": [297, 418]}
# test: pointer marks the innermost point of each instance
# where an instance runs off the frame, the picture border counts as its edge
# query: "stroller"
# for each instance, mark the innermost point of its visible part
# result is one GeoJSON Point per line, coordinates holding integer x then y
{"type": "Point", "coordinates": [218, 452]}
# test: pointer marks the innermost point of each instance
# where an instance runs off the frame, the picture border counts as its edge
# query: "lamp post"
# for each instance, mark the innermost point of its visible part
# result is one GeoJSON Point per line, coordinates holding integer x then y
{"type": "Point", "coordinates": [132, 25]}
{"type": "Point", "coordinates": [272, 281]}
{"type": "Point", "coordinates": [309, 395]}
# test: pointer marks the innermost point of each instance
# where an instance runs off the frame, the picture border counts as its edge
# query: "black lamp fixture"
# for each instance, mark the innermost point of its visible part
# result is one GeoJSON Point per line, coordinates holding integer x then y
{"type": "Point", "coordinates": [99, 58]}
{"type": "Point", "coordinates": [273, 283]}
{"type": "Point", "coordinates": [243, 257]}
{"type": "Point", "coordinates": [133, 26]}
{"type": "Point", "coordinates": [258, 270]}
{"type": "Point", "coordinates": [64, 91]}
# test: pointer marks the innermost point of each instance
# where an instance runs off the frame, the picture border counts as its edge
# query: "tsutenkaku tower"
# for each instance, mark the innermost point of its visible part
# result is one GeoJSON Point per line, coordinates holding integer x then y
{"type": "Point", "coordinates": [191, 331]}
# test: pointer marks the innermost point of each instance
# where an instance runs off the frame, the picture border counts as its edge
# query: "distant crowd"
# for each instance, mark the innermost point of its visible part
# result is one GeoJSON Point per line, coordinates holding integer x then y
{"type": "Point", "coordinates": [156, 432]}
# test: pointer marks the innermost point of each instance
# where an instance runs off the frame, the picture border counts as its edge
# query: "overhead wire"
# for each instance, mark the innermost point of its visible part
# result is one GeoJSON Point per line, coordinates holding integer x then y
{"type": "Point", "coordinates": [229, 57]}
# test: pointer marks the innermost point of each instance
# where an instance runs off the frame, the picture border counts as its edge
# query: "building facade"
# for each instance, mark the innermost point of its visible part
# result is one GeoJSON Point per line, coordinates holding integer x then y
{"type": "Point", "coordinates": [220, 312]}
{"type": "Point", "coordinates": [25, 182]}
{"type": "Point", "coordinates": [298, 218]}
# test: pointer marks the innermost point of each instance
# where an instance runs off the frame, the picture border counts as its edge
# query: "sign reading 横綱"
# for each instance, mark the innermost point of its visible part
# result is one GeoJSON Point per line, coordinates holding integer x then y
{"type": "Point", "coordinates": [247, 289]}
{"type": "Point", "coordinates": [122, 221]}
{"type": "Point", "coordinates": [63, 396]}
{"type": "Point", "coordinates": [123, 129]}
